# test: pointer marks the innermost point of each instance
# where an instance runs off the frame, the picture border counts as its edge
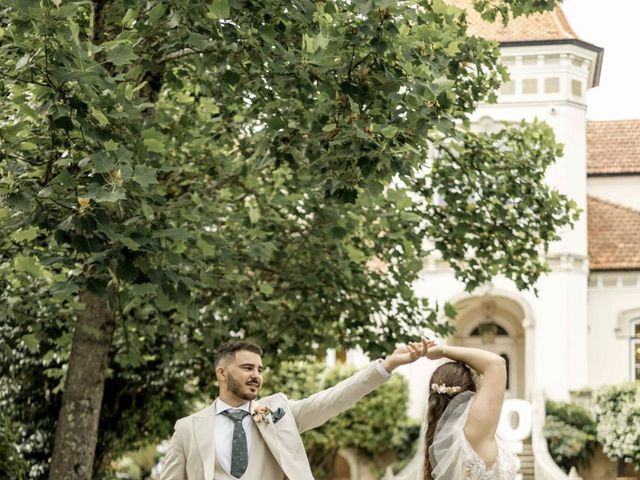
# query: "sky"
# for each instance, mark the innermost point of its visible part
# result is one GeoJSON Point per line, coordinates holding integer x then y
{"type": "Point", "coordinates": [613, 25]}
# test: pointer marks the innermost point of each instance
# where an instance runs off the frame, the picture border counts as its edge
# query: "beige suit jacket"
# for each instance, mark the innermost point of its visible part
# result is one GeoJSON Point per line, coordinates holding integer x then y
{"type": "Point", "coordinates": [191, 454]}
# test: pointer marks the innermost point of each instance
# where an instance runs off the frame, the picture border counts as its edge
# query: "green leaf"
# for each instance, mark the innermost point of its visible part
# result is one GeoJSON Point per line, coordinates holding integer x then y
{"type": "Point", "coordinates": [75, 31]}
{"type": "Point", "coordinates": [449, 310]}
{"type": "Point", "coordinates": [142, 289]}
{"type": "Point", "coordinates": [101, 117]}
{"type": "Point", "coordinates": [389, 131]}
{"type": "Point", "coordinates": [144, 175]}
{"type": "Point", "coordinates": [29, 146]}
{"type": "Point", "coordinates": [28, 264]}
{"type": "Point", "coordinates": [129, 17]}
{"type": "Point", "coordinates": [355, 254]}
{"type": "Point", "coordinates": [208, 250]}
{"type": "Point", "coordinates": [147, 211]}
{"type": "Point", "coordinates": [130, 243]}
{"type": "Point", "coordinates": [25, 235]}
{"type": "Point", "coordinates": [31, 341]}
{"type": "Point", "coordinates": [110, 145]}
{"type": "Point", "coordinates": [266, 289]}
{"type": "Point", "coordinates": [153, 140]}
{"type": "Point", "coordinates": [253, 210]}
{"type": "Point", "coordinates": [64, 178]}
{"type": "Point", "coordinates": [156, 13]}
{"type": "Point", "coordinates": [121, 54]}
{"type": "Point", "coordinates": [198, 41]}
{"type": "Point", "coordinates": [24, 60]}
{"type": "Point", "coordinates": [178, 234]}
{"type": "Point", "coordinates": [218, 9]}
{"type": "Point", "coordinates": [101, 163]}
{"type": "Point", "coordinates": [63, 289]}
{"type": "Point", "coordinates": [105, 195]}
{"type": "Point", "coordinates": [154, 145]}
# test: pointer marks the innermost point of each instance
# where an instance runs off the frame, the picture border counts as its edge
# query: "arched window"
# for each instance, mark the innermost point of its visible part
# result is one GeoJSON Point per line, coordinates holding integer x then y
{"type": "Point", "coordinates": [635, 349]}
{"type": "Point", "coordinates": [488, 331]}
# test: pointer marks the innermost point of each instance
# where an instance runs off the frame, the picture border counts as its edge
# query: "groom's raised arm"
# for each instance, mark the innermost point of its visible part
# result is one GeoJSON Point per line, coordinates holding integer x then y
{"type": "Point", "coordinates": [313, 411]}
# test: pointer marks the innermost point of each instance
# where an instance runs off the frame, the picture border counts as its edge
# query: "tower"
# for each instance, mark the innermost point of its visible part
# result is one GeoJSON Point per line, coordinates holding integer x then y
{"type": "Point", "coordinates": [550, 70]}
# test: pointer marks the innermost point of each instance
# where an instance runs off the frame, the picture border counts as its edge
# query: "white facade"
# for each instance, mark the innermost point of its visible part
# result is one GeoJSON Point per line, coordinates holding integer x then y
{"type": "Point", "coordinates": [582, 330]}
{"type": "Point", "coordinates": [578, 332]}
{"type": "Point", "coordinates": [614, 316]}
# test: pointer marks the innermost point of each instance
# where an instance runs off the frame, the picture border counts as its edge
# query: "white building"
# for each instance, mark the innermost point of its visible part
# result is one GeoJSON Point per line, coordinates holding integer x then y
{"type": "Point", "coordinates": [582, 331]}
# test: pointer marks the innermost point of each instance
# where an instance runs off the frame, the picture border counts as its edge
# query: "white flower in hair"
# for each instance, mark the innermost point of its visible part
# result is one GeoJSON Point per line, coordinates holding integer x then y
{"type": "Point", "coordinates": [445, 389]}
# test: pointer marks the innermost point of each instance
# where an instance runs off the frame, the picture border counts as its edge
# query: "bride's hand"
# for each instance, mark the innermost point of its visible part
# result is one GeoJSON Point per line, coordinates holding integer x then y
{"type": "Point", "coordinates": [431, 349]}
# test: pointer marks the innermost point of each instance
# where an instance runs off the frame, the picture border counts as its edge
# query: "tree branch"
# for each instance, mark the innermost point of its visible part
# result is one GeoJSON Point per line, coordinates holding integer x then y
{"type": "Point", "coordinates": [185, 52]}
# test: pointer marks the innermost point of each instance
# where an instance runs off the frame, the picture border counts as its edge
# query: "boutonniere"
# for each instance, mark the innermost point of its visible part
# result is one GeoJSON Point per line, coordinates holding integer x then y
{"type": "Point", "coordinates": [264, 414]}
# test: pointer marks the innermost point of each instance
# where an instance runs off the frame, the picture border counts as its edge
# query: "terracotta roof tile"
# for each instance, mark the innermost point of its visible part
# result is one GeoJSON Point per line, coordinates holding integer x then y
{"type": "Point", "coordinates": [614, 235]}
{"type": "Point", "coordinates": [613, 146]}
{"type": "Point", "coordinates": [552, 25]}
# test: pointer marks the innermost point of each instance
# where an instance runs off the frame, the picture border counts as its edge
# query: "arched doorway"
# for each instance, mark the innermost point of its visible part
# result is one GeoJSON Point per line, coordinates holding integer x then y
{"type": "Point", "coordinates": [495, 323]}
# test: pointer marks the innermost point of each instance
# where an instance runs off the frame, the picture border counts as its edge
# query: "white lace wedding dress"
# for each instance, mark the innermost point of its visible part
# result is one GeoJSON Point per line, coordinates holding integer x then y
{"type": "Point", "coordinates": [452, 456]}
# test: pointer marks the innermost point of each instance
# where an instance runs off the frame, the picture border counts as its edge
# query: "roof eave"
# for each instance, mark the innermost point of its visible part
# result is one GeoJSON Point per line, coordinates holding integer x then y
{"type": "Point", "coordinates": [614, 269]}
{"type": "Point", "coordinates": [626, 173]}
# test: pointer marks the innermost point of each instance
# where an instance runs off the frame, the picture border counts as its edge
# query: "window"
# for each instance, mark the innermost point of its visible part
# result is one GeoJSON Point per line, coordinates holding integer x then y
{"type": "Point", "coordinates": [635, 349]}
{"type": "Point", "coordinates": [530, 86]}
{"type": "Point", "coordinates": [551, 85]}
{"type": "Point", "coordinates": [576, 88]}
{"type": "Point", "coordinates": [488, 332]}
{"type": "Point", "coordinates": [508, 88]}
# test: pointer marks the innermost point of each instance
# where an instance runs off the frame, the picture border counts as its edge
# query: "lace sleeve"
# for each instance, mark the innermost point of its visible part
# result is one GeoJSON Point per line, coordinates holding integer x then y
{"type": "Point", "coordinates": [452, 456]}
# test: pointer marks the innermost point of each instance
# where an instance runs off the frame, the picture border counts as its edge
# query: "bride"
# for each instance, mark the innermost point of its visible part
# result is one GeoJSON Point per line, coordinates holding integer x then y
{"type": "Point", "coordinates": [460, 442]}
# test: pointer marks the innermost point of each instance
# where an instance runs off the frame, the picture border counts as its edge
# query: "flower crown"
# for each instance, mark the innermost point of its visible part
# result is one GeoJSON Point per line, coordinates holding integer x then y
{"type": "Point", "coordinates": [445, 389]}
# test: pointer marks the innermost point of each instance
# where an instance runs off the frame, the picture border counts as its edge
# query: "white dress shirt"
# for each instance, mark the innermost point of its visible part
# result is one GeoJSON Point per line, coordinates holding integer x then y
{"type": "Point", "coordinates": [224, 432]}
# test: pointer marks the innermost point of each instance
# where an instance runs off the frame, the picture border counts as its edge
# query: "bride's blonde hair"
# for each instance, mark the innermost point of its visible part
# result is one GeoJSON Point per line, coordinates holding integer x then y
{"type": "Point", "coordinates": [456, 377]}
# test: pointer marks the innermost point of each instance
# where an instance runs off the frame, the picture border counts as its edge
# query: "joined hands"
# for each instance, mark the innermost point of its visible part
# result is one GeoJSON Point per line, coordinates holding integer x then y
{"type": "Point", "coordinates": [410, 352]}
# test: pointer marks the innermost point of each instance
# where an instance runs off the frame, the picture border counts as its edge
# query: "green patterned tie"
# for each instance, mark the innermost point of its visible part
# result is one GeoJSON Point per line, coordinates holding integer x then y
{"type": "Point", "coordinates": [239, 454]}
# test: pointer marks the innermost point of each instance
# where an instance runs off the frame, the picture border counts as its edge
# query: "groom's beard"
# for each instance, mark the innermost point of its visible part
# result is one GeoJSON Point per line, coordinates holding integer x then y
{"type": "Point", "coordinates": [236, 388]}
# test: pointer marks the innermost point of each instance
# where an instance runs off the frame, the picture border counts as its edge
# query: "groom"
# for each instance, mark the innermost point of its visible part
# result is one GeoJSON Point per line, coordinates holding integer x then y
{"type": "Point", "coordinates": [238, 437]}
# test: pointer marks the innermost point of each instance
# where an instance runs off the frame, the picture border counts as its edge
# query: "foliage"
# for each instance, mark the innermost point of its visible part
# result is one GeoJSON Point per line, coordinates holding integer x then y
{"type": "Point", "coordinates": [617, 414]}
{"type": "Point", "coordinates": [140, 403]}
{"type": "Point", "coordinates": [490, 9]}
{"type": "Point", "coordinates": [571, 434]}
{"type": "Point", "coordinates": [12, 464]}
{"type": "Point", "coordinates": [244, 168]}
{"type": "Point", "coordinates": [377, 426]}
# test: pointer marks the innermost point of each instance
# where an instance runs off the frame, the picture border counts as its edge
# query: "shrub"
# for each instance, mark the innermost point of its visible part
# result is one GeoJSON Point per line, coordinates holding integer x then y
{"type": "Point", "coordinates": [12, 464]}
{"type": "Point", "coordinates": [617, 413]}
{"type": "Point", "coordinates": [571, 434]}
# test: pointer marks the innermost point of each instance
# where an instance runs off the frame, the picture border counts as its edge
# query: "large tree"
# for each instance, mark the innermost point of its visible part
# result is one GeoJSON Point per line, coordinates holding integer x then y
{"type": "Point", "coordinates": [174, 173]}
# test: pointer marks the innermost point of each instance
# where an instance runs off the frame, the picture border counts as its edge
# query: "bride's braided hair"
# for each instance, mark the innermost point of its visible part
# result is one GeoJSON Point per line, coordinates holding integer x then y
{"type": "Point", "coordinates": [451, 374]}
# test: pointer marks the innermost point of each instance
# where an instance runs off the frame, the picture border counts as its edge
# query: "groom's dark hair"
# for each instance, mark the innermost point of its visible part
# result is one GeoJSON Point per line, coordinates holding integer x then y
{"type": "Point", "coordinates": [229, 349]}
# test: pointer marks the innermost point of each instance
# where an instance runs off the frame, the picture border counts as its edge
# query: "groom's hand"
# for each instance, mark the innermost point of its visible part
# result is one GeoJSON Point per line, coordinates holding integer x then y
{"type": "Point", "coordinates": [402, 355]}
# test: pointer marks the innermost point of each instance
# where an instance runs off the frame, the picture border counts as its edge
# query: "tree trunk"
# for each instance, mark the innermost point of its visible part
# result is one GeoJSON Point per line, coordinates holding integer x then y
{"type": "Point", "coordinates": [77, 428]}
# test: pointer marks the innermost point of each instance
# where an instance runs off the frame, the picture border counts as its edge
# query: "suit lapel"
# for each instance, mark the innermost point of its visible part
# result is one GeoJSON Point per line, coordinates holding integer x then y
{"type": "Point", "coordinates": [203, 426]}
{"type": "Point", "coordinates": [268, 434]}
